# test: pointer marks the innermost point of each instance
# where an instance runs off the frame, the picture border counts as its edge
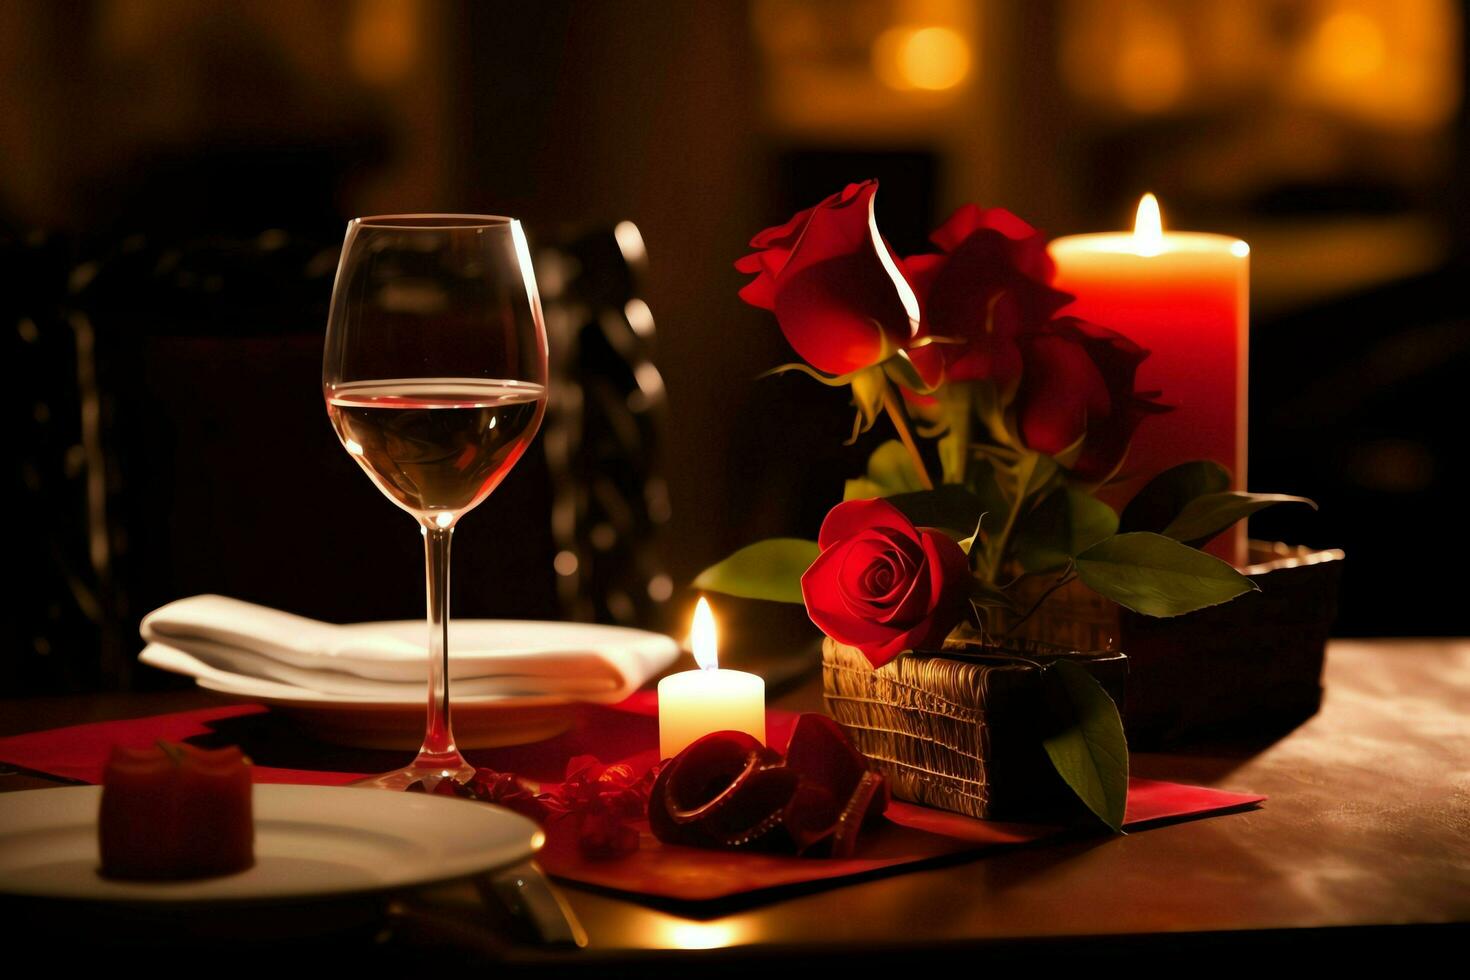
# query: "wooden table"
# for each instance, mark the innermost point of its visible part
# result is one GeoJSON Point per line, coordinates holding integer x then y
{"type": "Point", "coordinates": [1363, 849]}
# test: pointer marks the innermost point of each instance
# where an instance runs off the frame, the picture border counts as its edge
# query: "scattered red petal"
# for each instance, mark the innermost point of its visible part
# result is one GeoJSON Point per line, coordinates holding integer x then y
{"type": "Point", "coordinates": [727, 790]}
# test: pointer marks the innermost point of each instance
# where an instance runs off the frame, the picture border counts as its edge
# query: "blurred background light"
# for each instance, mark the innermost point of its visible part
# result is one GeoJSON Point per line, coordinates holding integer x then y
{"type": "Point", "coordinates": [930, 58]}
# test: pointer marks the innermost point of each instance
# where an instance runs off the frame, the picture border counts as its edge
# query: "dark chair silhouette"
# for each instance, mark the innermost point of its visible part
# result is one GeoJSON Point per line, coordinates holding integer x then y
{"type": "Point", "coordinates": [171, 440]}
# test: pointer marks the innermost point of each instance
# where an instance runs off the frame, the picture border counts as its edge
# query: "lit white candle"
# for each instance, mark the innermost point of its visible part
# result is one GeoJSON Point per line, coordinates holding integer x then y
{"type": "Point", "coordinates": [693, 703]}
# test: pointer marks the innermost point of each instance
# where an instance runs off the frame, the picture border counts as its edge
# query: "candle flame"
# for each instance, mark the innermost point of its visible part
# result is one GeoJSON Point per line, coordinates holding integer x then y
{"type": "Point", "coordinates": [1148, 227]}
{"type": "Point", "coordinates": [703, 637]}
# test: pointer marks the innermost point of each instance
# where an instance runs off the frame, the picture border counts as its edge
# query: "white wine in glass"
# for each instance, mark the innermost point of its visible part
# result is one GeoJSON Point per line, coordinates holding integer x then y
{"type": "Point", "coordinates": [435, 381]}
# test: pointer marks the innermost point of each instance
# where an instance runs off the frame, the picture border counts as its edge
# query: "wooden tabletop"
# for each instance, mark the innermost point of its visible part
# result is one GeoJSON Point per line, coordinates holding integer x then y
{"type": "Point", "coordinates": [1363, 846]}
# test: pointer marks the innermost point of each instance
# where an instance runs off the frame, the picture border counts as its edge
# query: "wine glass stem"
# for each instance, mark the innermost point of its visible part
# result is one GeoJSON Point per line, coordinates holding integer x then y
{"type": "Point", "coordinates": [438, 748]}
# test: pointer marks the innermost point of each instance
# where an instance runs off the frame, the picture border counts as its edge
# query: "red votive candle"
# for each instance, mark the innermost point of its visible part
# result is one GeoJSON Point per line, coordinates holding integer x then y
{"type": "Point", "coordinates": [176, 811]}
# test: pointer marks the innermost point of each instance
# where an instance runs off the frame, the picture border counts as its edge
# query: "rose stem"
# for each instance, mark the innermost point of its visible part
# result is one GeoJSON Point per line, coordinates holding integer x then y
{"type": "Point", "coordinates": [901, 423]}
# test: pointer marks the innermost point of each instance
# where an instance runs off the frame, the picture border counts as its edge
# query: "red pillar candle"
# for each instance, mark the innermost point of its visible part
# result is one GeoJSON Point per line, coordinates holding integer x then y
{"type": "Point", "coordinates": [1184, 296]}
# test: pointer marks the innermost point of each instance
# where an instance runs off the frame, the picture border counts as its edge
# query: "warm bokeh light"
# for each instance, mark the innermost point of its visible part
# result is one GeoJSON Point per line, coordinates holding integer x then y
{"type": "Point", "coordinates": [384, 40]}
{"type": "Point", "coordinates": [1152, 70]}
{"type": "Point", "coordinates": [871, 71]}
{"type": "Point", "coordinates": [1148, 227]}
{"type": "Point", "coordinates": [1348, 45]}
{"type": "Point", "coordinates": [704, 637]}
{"type": "Point", "coordinates": [630, 242]}
{"type": "Point", "coordinates": [640, 317]}
{"type": "Point", "coordinates": [1391, 62]}
{"type": "Point", "coordinates": [929, 58]}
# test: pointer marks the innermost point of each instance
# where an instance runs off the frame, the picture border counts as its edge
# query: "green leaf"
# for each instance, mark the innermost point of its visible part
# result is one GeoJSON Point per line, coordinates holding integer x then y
{"type": "Point", "coordinates": [985, 484]}
{"type": "Point", "coordinates": [830, 380]}
{"type": "Point", "coordinates": [1033, 472]}
{"type": "Point", "coordinates": [947, 506]}
{"type": "Point", "coordinates": [1158, 576]}
{"type": "Point", "coordinates": [988, 596]}
{"type": "Point", "coordinates": [995, 509]}
{"type": "Point", "coordinates": [1208, 514]}
{"type": "Point", "coordinates": [769, 569]}
{"type": "Point", "coordinates": [1062, 526]}
{"type": "Point", "coordinates": [868, 388]}
{"type": "Point", "coordinates": [954, 444]}
{"type": "Point", "coordinates": [1163, 498]}
{"type": "Point", "coordinates": [1068, 456]}
{"type": "Point", "coordinates": [890, 471]}
{"type": "Point", "coordinates": [1089, 750]}
{"type": "Point", "coordinates": [904, 374]}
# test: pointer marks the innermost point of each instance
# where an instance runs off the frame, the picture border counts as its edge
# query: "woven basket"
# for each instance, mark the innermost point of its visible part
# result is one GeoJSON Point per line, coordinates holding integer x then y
{"type": "Point", "coordinates": [1251, 665]}
{"type": "Point", "coordinates": [960, 728]}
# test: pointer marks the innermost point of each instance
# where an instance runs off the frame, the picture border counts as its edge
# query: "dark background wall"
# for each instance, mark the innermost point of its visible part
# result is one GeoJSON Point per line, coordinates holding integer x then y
{"type": "Point", "coordinates": [1329, 134]}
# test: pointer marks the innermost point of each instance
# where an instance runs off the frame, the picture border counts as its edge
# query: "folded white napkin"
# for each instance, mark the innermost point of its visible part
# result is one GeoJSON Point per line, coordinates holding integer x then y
{"type": "Point", "coordinates": [510, 658]}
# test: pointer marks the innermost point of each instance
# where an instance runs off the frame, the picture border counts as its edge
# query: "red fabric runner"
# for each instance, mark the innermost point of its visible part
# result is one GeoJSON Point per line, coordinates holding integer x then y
{"type": "Point", "coordinates": [912, 835]}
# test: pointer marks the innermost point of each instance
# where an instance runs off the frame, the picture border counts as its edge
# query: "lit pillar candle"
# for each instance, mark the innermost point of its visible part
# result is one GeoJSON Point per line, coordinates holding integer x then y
{"type": "Point", "coordinates": [693, 703]}
{"type": "Point", "coordinates": [1185, 297]}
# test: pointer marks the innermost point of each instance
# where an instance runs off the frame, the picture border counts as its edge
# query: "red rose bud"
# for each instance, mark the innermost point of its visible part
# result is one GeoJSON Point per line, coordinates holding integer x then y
{"type": "Point", "coordinates": [990, 283]}
{"type": "Point", "coordinates": [841, 793]}
{"type": "Point", "coordinates": [1077, 384]}
{"type": "Point", "coordinates": [882, 585]}
{"type": "Point", "coordinates": [838, 291]}
{"type": "Point", "coordinates": [726, 790]}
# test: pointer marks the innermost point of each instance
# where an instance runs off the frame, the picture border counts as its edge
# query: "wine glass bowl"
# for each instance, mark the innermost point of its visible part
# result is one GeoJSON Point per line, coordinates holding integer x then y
{"type": "Point", "coordinates": [434, 376]}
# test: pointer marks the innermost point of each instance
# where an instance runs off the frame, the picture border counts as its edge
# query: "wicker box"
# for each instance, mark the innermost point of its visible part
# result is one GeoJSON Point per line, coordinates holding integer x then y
{"type": "Point", "coordinates": [1253, 665]}
{"type": "Point", "coordinates": [960, 728]}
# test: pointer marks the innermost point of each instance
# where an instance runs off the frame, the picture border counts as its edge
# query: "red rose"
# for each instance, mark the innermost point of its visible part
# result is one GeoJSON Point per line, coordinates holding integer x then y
{"type": "Point", "coordinates": [883, 585]}
{"type": "Point", "coordinates": [836, 288]}
{"type": "Point", "coordinates": [1077, 384]}
{"type": "Point", "coordinates": [990, 283]}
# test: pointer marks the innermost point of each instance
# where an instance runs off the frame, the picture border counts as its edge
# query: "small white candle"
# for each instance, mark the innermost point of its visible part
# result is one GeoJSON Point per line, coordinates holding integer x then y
{"type": "Point", "coordinates": [693, 703]}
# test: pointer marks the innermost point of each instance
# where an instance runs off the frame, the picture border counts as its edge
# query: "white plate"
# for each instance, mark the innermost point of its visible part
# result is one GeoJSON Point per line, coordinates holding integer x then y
{"type": "Point", "coordinates": [479, 723]}
{"type": "Point", "coordinates": [311, 842]}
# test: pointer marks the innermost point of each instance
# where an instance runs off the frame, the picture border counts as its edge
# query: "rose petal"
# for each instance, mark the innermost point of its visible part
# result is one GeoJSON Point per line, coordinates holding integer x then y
{"type": "Point", "coordinates": [879, 544]}
{"type": "Point", "coordinates": [1079, 381]}
{"type": "Point", "coordinates": [786, 234]}
{"type": "Point", "coordinates": [820, 751]}
{"type": "Point", "coordinates": [826, 607]}
{"type": "Point", "coordinates": [723, 790]}
{"type": "Point", "coordinates": [970, 218]}
{"type": "Point", "coordinates": [868, 800]}
{"type": "Point", "coordinates": [914, 603]}
{"type": "Point", "coordinates": [852, 517]}
{"type": "Point", "coordinates": [861, 554]}
{"type": "Point", "coordinates": [991, 282]}
{"type": "Point", "coordinates": [950, 568]}
{"type": "Point", "coordinates": [838, 291]}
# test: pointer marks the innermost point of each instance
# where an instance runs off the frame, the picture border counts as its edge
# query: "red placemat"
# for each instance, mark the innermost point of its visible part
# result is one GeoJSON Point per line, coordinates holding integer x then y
{"type": "Point", "coordinates": [913, 834]}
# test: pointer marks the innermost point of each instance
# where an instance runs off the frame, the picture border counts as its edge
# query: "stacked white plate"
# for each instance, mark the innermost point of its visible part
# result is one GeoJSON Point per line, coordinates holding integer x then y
{"type": "Point", "coordinates": [365, 684]}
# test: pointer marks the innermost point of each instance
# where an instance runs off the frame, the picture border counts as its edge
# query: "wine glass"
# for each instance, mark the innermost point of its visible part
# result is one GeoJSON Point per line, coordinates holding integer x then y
{"type": "Point", "coordinates": [435, 380]}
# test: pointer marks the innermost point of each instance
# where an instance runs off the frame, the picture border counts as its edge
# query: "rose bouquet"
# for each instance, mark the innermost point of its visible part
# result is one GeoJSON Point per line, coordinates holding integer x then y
{"type": "Point", "coordinates": [1008, 418]}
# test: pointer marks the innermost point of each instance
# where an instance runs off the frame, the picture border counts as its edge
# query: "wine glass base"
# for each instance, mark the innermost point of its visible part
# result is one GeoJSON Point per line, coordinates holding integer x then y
{"type": "Point", "coordinates": [422, 773]}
